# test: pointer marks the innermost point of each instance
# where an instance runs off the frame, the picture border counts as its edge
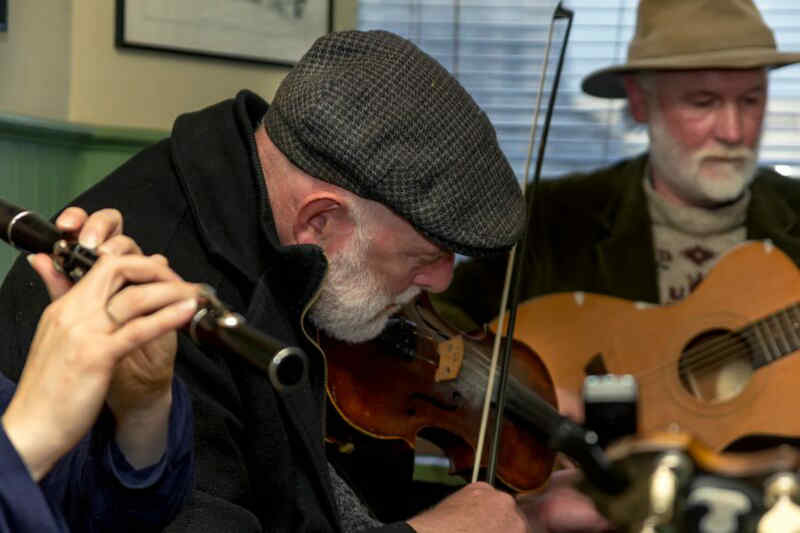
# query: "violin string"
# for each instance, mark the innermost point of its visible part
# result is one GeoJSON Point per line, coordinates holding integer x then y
{"type": "Point", "coordinates": [481, 360]}
{"type": "Point", "coordinates": [477, 367]}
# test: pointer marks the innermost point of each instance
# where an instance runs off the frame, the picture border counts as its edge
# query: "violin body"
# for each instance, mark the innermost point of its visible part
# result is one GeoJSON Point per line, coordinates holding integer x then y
{"type": "Point", "coordinates": [402, 390]}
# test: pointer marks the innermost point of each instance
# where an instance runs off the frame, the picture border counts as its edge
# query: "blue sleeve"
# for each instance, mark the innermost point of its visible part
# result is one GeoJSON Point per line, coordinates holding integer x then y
{"type": "Point", "coordinates": [23, 506]}
{"type": "Point", "coordinates": [98, 490]}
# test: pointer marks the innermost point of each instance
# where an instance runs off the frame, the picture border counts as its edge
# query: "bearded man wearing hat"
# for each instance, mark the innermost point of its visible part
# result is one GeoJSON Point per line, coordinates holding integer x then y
{"type": "Point", "coordinates": [323, 211]}
{"type": "Point", "coordinates": [649, 228]}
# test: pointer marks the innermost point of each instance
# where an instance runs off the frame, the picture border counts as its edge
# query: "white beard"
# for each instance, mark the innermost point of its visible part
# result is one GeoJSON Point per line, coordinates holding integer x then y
{"type": "Point", "coordinates": [696, 177]}
{"type": "Point", "coordinates": [353, 304]}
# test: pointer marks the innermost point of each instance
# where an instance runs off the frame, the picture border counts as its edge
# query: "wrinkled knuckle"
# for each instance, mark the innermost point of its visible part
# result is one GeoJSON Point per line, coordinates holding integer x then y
{"type": "Point", "coordinates": [76, 340]}
{"type": "Point", "coordinates": [159, 258]}
{"type": "Point", "coordinates": [105, 262]}
{"type": "Point", "coordinates": [128, 241]}
{"type": "Point", "coordinates": [504, 498]}
{"type": "Point", "coordinates": [135, 334]}
{"type": "Point", "coordinates": [51, 312]}
{"type": "Point", "coordinates": [112, 213]}
{"type": "Point", "coordinates": [130, 297]}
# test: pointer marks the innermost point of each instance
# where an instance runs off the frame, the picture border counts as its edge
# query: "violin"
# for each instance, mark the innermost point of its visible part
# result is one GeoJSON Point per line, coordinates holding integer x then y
{"type": "Point", "coordinates": [424, 377]}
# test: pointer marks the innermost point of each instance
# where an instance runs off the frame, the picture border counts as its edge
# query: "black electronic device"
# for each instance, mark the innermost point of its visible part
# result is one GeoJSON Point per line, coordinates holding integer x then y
{"type": "Point", "coordinates": [609, 403]}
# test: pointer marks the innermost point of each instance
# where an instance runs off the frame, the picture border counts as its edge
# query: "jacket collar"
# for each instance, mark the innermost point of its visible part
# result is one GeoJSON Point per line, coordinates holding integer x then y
{"type": "Point", "coordinates": [218, 166]}
{"type": "Point", "coordinates": [771, 217]}
{"type": "Point", "coordinates": [625, 257]}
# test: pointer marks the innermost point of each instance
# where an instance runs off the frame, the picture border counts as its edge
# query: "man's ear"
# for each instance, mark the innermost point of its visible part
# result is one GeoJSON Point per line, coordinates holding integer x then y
{"type": "Point", "coordinates": [322, 220]}
{"type": "Point", "coordinates": [637, 98]}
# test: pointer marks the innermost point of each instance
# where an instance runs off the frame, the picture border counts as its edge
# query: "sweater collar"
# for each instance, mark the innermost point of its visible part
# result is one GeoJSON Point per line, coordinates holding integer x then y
{"type": "Point", "coordinates": [691, 220]}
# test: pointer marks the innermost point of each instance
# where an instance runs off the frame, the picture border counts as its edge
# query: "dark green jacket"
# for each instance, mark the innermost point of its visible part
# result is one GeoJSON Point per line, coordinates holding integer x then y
{"type": "Point", "coordinates": [591, 232]}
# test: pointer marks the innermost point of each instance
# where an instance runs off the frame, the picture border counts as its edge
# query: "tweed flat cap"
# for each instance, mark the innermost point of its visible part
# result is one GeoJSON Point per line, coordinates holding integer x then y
{"type": "Point", "coordinates": [373, 114]}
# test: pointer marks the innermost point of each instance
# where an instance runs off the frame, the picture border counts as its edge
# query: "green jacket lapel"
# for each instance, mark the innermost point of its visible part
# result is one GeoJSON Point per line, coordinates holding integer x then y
{"type": "Point", "coordinates": [626, 258]}
{"type": "Point", "coordinates": [771, 217]}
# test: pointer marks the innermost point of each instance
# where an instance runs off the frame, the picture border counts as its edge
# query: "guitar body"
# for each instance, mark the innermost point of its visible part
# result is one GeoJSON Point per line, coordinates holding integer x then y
{"type": "Point", "coordinates": [746, 385]}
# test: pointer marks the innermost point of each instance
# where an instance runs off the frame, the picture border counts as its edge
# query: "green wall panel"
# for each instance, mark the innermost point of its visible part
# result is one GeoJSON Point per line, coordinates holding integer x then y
{"type": "Point", "coordinates": [44, 164]}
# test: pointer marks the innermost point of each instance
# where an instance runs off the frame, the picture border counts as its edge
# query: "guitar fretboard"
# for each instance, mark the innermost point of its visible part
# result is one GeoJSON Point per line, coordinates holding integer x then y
{"type": "Point", "coordinates": [774, 336]}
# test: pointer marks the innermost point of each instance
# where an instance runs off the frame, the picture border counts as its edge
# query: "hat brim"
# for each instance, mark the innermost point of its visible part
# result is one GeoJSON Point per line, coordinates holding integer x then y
{"type": "Point", "coordinates": [607, 82]}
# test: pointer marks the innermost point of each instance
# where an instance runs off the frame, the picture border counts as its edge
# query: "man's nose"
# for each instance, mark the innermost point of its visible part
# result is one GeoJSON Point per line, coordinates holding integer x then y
{"type": "Point", "coordinates": [728, 128]}
{"type": "Point", "coordinates": [436, 276]}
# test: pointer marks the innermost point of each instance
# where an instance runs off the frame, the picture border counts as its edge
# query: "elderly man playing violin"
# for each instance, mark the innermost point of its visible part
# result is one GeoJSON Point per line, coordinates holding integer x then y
{"type": "Point", "coordinates": [323, 211]}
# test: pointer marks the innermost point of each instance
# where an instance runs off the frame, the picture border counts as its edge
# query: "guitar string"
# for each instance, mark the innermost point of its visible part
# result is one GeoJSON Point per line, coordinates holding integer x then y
{"type": "Point", "coordinates": [744, 341]}
{"type": "Point", "coordinates": [715, 353]}
{"type": "Point", "coordinates": [706, 356]}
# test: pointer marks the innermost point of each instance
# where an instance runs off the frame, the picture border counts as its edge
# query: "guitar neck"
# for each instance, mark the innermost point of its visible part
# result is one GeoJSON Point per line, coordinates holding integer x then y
{"type": "Point", "coordinates": [774, 336]}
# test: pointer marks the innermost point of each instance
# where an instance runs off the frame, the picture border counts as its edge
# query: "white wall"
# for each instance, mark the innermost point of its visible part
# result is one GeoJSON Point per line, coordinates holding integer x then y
{"type": "Point", "coordinates": [34, 58]}
{"type": "Point", "coordinates": [59, 61]}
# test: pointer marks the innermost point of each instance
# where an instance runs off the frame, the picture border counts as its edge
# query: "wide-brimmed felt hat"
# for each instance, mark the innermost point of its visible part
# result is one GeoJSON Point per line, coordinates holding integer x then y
{"type": "Point", "coordinates": [693, 34]}
{"type": "Point", "coordinates": [373, 114]}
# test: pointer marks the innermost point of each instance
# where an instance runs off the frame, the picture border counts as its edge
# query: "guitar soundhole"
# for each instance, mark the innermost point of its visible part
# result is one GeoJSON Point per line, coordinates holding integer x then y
{"type": "Point", "coordinates": [716, 365]}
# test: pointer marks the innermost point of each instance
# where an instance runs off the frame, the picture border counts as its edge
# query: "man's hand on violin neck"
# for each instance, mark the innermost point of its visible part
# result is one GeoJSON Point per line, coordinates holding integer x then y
{"type": "Point", "coordinates": [478, 507]}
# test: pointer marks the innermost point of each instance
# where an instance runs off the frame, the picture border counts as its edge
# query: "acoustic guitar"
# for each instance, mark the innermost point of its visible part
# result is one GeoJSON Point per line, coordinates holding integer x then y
{"type": "Point", "coordinates": [722, 364]}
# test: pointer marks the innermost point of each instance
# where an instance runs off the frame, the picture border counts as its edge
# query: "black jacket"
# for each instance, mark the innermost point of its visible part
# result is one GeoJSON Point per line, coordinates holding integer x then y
{"type": "Point", "coordinates": [199, 198]}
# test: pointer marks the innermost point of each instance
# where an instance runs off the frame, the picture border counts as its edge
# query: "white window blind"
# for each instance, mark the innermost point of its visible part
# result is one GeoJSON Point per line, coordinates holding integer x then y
{"type": "Point", "coordinates": [496, 49]}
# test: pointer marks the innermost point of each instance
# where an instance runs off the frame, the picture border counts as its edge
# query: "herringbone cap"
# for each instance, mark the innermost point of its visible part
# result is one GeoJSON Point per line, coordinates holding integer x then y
{"type": "Point", "coordinates": [373, 114]}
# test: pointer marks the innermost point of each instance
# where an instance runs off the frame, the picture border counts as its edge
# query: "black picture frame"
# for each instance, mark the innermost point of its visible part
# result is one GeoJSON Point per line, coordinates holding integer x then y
{"type": "Point", "coordinates": [3, 15]}
{"type": "Point", "coordinates": [272, 32]}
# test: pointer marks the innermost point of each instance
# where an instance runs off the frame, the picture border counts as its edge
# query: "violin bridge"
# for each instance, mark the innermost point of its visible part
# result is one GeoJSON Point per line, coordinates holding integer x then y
{"type": "Point", "coordinates": [451, 356]}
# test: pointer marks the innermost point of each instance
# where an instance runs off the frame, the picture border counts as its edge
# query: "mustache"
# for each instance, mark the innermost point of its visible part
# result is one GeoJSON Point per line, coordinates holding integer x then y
{"type": "Point", "coordinates": [722, 152]}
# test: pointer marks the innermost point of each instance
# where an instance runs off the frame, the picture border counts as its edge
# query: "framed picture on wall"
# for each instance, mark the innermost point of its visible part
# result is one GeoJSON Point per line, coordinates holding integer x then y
{"type": "Point", "coordinates": [276, 32]}
{"type": "Point", "coordinates": [3, 15]}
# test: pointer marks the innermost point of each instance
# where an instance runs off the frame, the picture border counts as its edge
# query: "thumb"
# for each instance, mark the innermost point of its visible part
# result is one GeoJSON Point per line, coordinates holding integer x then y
{"type": "Point", "coordinates": [57, 283]}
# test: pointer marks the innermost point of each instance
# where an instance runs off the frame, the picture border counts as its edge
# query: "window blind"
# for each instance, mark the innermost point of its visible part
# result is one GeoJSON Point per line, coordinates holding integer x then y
{"type": "Point", "coordinates": [496, 49]}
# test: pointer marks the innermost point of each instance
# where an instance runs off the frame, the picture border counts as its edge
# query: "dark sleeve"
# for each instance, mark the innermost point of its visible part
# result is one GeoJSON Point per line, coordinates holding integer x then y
{"type": "Point", "coordinates": [23, 506]}
{"type": "Point", "coordinates": [97, 489]}
{"type": "Point", "coordinates": [149, 498]}
{"type": "Point", "coordinates": [23, 298]}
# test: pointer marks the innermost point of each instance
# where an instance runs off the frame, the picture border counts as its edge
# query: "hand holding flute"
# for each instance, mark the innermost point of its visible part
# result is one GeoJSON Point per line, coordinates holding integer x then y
{"type": "Point", "coordinates": [213, 323]}
{"type": "Point", "coordinates": [112, 339]}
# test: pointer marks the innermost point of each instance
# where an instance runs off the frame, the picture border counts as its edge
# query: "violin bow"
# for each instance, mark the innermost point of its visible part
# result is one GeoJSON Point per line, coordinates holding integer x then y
{"type": "Point", "coordinates": [516, 258]}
